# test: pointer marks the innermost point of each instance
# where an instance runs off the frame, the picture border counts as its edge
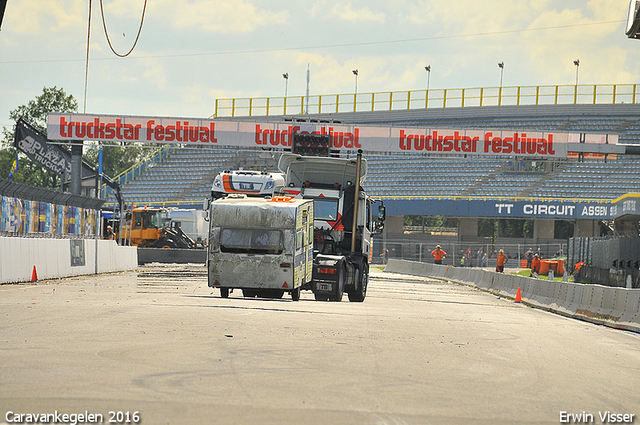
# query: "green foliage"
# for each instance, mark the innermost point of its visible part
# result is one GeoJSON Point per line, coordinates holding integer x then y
{"type": "Point", "coordinates": [116, 158]}
{"type": "Point", "coordinates": [35, 112]}
{"type": "Point", "coordinates": [562, 229]}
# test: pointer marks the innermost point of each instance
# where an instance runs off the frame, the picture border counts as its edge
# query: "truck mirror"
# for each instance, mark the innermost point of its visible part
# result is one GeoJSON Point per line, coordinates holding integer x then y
{"type": "Point", "coordinates": [205, 209]}
{"type": "Point", "coordinates": [382, 213]}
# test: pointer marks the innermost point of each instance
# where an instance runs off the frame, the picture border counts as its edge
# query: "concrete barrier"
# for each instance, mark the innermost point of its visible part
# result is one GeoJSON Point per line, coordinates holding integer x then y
{"type": "Point", "coordinates": [57, 258]}
{"type": "Point", "coordinates": [173, 255]}
{"type": "Point", "coordinates": [610, 306]}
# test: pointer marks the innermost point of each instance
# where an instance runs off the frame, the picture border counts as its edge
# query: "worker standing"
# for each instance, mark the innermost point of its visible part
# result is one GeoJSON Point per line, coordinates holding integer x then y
{"type": "Point", "coordinates": [438, 254]}
{"type": "Point", "coordinates": [535, 265]}
{"type": "Point", "coordinates": [502, 259]}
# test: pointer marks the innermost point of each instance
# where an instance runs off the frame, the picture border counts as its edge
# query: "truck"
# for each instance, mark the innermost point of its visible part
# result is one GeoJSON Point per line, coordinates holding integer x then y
{"type": "Point", "coordinates": [151, 228]}
{"type": "Point", "coordinates": [344, 218]}
{"type": "Point", "coordinates": [262, 246]}
{"type": "Point", "coordinates": [344, 221]}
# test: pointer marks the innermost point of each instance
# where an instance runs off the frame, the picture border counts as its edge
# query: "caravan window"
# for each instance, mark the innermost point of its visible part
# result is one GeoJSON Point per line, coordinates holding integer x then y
{"type": "Point", "coordinates": [256, 241]}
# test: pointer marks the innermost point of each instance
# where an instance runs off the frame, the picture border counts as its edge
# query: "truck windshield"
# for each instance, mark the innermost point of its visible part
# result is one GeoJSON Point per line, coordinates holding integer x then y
{"type": "Point", "coordinates": [255, 241]}
{"type": "Point", "coordinates": [325, 209]}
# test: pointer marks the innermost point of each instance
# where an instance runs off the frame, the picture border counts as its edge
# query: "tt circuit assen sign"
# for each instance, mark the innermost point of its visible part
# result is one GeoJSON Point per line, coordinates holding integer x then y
{"type": "Point", "coordinates": [196, 131]}
{"type": "Point", "coordinates": [531, 209]}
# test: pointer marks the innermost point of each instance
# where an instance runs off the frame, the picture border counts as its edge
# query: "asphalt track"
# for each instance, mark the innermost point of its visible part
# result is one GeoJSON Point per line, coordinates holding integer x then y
{"type": "Point", "coordinates": [159, 342]}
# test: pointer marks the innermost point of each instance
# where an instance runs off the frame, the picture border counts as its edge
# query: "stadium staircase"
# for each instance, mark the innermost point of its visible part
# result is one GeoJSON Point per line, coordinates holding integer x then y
{"type": "Point", "coordinates": [537, 184]}
{"type": "Point", "coordinates": [483, 181]}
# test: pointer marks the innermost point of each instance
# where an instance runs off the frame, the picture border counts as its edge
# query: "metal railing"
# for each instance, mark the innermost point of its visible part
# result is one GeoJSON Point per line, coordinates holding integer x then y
{"type": "Point", "coordinates": [133, 172]}
{"type": "Point", "coordinates": [434, 98]}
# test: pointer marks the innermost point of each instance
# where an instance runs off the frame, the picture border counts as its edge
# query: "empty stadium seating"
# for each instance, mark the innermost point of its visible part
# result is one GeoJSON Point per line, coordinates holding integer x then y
{"type": "Point", "coordinates": [186, 175]}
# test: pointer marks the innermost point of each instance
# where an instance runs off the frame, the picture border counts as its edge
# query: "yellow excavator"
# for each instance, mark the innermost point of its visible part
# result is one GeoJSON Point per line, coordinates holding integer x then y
{"type": "Point", "coordinates": [151, 228]}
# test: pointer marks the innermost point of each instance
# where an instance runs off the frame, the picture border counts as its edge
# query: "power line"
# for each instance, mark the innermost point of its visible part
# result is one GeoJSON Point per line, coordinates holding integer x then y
{"type": "Point", "coordinates": [106, 33]}
{"type": "Point", "coordinates": [331, 46]}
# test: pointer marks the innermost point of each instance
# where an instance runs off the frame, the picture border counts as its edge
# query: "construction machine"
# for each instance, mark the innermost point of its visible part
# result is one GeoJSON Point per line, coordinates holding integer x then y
{"type": "Point", "coordinates": [151, 228]}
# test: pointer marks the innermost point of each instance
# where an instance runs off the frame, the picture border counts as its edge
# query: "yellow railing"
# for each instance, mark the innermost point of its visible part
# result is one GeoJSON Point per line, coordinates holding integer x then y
{"type": "Point", "coordinates": [496, 198]}
{"type": "Point", "coordinates": [434, 98]}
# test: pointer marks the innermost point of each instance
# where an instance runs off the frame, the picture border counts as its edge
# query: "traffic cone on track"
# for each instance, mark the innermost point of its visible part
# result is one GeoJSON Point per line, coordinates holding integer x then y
{"type": "Point", "coordinates": [34, 275]}
{"type": "Point", "coordinates": [518, 296]}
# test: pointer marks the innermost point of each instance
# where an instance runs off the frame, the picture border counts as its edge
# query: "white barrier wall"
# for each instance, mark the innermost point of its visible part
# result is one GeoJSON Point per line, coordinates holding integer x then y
{"type": "Point", "coordinates": [56, 258]}
{"type": "Point", "coordinates": [610, 306]}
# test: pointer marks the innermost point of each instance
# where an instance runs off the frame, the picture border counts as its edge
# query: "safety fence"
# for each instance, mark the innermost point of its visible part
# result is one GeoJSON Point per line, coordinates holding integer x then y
{"type": "Point", "coordinates": [615, 307]}
{"type": "Point", "coordinates": [31, 211]}
{"type": "Point", "coordinates": [42, 219]}
{"type": "Point", "coordinates": [472, 252]}
{"type": "Point", "coordinates": [434, 98]}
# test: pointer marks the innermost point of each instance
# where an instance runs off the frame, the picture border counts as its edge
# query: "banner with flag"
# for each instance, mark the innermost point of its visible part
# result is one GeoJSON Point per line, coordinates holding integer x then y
{"type": "Point", "coordinates": [14, 167]}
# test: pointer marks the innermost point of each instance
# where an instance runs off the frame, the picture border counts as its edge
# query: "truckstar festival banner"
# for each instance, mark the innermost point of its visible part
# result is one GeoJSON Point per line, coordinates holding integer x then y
{"type": "Point", "coordinates": [196, 131]}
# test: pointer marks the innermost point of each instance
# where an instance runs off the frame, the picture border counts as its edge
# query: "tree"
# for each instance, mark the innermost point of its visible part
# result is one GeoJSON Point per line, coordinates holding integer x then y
{"type": "Point", "coordinates": [116, 158]}
{"type": "Point", "coordinates": [52, 99]}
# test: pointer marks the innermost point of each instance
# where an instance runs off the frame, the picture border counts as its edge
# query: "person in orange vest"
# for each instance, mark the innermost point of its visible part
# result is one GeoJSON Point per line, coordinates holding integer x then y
{"type": "Point", "coordinates": [535, 265]}
{"type": "Point", "coordinates": [502, 259]}
{"type": "Point", "coordinates": [438, 254]}
{"type": "Point", "coordinates": [577, 270]}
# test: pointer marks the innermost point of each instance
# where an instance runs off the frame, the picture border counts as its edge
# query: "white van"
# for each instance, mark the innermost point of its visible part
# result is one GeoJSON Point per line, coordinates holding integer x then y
{"type": "Point", "coordinates": [250, 183]}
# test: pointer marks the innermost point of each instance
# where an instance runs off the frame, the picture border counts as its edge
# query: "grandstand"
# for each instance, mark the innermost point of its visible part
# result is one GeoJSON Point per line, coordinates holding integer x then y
{"type": "Point", "coordinates": [185, 176]}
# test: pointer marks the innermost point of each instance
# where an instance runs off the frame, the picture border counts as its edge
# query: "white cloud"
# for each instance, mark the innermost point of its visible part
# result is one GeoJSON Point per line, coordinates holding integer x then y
{"type": "Point", "coordinates": [345, 12]}
{"type": "Point", "coordinates": [44, 16]}
{"type": "Point", "coordinates": [237, 16]}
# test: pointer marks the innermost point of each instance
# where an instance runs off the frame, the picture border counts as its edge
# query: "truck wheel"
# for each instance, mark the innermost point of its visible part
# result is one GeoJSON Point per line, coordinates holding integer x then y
{"type": "Point", "coordinates": [224, 292]}
{"type": "Point", "coordinates": [295, 294]}
{"type": "Point", "coordinates": [337, 296]}
{"type": "Point", "coordinates": [358, 294]}
{"type": "Point", "coordinates": [320, 297]}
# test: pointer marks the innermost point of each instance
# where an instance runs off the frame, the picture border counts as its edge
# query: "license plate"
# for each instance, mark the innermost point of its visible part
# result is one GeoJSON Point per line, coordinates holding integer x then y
{"type": "Point", "coordinates": [323, 286]}
{"type": "Point", "coordinates": [246, 186]}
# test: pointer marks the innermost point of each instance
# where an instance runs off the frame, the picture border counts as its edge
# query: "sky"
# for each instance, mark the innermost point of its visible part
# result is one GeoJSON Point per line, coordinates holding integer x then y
{"type": "Point", "coordinates": [191, 52]}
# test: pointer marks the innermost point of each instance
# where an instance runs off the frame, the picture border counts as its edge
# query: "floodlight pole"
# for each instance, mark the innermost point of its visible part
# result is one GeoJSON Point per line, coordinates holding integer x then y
{"type": "Point", "coordinates": [355, 92]}
{"type": "Point", "coordinates": [501, 65]}
{"type": "Point", "coordinates": [428, 69]}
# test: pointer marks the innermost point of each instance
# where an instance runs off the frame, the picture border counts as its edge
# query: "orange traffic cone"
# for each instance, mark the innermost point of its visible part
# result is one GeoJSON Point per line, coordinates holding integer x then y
{"type": "Point", "coordinates": [34, 275]}
{"type": "Point", "coordinates": [518, 296]}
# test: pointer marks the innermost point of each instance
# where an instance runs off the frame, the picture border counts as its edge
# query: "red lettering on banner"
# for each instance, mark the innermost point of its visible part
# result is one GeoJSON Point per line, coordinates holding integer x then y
{"type": "Point", "coordinates": [118, 128]}
{"type": "Point", "coordinates": [454, 143]}
{"type": "Point", "coordinates": [63, 123]}
{"type": "Point", "coordinates": [437, 142]}
{"type": "Point", "coordinates": [275, 137]}
{"type": "Point", "coordinates": [518, 144]}
{"type": "Point", "coordinates": [179, 137]}
{"type": "Point", "coordinates": [109, 132]}
{"type": "Point", "coordinates": [342, 139]}
{"type": "Point", "coordinates": [158, 133]}
{"type": "Point", "coordinates": [99, 129]}
{"type": "Point", "coordinates": [170, 133]}
{"type": "Point", "coordinates": [548, 145]}
{"type": "Point", "coordinates": [178, 132]}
